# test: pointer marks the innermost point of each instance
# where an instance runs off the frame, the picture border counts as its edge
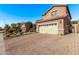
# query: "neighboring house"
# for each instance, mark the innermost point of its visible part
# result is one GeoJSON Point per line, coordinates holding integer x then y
{"type": "Point", "coordinates": [57, 20]}
{"type": "Point", "coordinates": [23, 27]}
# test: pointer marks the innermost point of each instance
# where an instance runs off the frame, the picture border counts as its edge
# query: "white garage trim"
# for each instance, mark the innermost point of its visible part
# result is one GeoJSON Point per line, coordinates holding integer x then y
{"type": "Point", "coordinates": [49, 28]}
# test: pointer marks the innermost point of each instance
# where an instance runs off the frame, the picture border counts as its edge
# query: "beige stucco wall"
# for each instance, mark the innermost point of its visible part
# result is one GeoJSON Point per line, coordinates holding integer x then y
{"type": "Point", "coordinates": [67, 25]}
{"type": "Point", "coordinates": [64, 24]}
{"type": "Point", "coordinates": [60, 25]}
{"type": "Point", "coordinates": [60, 13]}
{"type": "Point", "coordinates": [23, 28]}
{"type": "Point", "coordinates": [77, 28]}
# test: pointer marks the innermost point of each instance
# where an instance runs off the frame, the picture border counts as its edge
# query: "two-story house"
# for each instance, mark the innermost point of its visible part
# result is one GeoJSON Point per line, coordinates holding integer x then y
{"type": "Point", "coordinates": [57, 20]}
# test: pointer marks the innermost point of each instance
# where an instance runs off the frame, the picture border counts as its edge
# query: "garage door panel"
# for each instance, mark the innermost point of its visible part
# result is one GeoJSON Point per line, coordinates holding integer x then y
{"type": "Point", "coordinates": [50, 29]}
{"type": "Point", "coordinates": [55, 29]}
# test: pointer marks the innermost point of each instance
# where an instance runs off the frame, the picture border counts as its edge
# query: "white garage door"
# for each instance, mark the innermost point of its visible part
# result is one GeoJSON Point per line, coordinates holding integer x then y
{"type": "Point", "coordinates": [49, 28]}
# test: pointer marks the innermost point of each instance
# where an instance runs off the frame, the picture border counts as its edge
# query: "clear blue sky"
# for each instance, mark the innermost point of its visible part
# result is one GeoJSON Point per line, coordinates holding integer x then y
{"type": "Point", "coordinates": [29, 12]}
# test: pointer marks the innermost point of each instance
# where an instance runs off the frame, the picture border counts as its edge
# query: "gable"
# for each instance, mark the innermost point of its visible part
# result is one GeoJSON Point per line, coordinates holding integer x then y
{"type": "Point", "coordinates": [60, 11]}
{"type": "Point", "coordinates": [52, 9]}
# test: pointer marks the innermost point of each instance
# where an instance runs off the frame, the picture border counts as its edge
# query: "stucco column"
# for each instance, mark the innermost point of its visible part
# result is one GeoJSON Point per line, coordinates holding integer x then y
{"type": "Point", "coordinates": [37, 30]}
{"type": "Point", "coordinates": [61, 26]}
{"type": "Point", "coordinates": [75, 29]}
{"type": "Point", "coordinates": [2, 47]}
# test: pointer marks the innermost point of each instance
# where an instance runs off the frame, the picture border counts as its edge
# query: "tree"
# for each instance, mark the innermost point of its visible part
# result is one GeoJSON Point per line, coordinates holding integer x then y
{"type": "Point", "coordinates": [7, 30]}
{"type": "Point", "coordinates": [13, 28]}
{"type": "Point", "coordinates": [28, 26]}
{"type": "Point", "coordinates": [7, 27]}
{"type": "Point", "coordinates": [74, 22]}
{"type": "Point", "coordinates": [1, 28]}
{"type": "Point", "coordinates": [33, 29]}
{"type": "Point", "coordinates": [18, 26]}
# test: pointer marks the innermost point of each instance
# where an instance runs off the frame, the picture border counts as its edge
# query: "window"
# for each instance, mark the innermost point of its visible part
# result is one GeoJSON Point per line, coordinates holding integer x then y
{"type": "Point", "coordinates": [54, 13]}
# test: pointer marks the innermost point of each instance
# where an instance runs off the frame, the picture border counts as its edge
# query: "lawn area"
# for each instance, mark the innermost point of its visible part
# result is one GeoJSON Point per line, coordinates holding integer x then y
{"type": "Point", "coordinates": [43, 44]}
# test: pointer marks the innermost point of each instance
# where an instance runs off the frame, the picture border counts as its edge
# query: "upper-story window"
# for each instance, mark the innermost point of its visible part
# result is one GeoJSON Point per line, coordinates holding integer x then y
{"type": "Point", "coordinates": [57, 12]}
{"type": "Point", "coordinates": [54, 13]}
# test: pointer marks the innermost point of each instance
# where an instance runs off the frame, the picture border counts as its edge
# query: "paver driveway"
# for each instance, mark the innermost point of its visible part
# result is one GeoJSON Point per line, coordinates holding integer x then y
{"type": "Point", "coordinates": [2, 47]}
{"type": "Point", "coordinates": [43, 44]}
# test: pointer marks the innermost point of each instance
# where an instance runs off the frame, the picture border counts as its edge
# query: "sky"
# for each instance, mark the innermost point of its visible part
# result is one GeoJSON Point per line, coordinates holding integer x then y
{"type": "Point", "coordinates": [14, 13]}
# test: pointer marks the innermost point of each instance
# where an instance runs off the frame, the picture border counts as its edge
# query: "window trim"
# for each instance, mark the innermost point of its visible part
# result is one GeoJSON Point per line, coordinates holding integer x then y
{"type": "Point", "coordinates": [54, 12]}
